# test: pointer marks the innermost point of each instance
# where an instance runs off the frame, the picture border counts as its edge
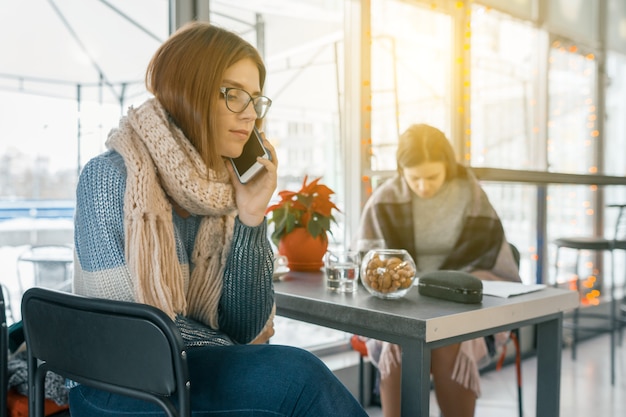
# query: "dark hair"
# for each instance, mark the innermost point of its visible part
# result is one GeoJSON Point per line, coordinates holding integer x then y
{"type": "Point", "coordinates": [422, 143]}
{"type": "Point", "coordinates": [185, 75]}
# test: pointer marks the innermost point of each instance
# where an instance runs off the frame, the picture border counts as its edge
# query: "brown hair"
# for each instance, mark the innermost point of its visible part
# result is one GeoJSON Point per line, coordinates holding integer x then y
{"type": "Point", "coordinates": [422, 143]}
{"type": "Point", "coordinates": [185, 75]}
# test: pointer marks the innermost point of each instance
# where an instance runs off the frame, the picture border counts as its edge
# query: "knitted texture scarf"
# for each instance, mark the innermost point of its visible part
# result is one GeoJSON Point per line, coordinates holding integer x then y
{"type": "Point", "coordinates": [162, 164]}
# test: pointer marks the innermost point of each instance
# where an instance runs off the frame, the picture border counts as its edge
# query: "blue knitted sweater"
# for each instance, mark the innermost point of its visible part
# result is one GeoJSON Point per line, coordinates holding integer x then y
{"type": "Point", "coordinates": [100, 268]}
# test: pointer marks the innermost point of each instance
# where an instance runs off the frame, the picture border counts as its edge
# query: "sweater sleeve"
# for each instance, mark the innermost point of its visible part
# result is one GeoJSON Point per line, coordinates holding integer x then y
{"type": "Point", "coordinates": [248, 292]}
{"type": "Point", "coordinates": [100, 269]}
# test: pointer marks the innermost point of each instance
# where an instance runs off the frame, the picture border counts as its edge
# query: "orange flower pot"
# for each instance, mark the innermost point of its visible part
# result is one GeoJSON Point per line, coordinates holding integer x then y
{"type": "Point", "coordinates": [304, 253]}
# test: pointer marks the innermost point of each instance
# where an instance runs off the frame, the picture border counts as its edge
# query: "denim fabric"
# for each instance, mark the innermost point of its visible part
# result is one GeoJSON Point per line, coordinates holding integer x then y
{"type": "Point", "coordinates": [242, 380]}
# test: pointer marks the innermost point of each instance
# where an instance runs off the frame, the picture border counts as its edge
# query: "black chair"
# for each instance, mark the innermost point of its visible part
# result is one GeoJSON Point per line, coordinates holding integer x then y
{"type": "Point", "coordinates": [8, 307]}
{"type": "Point", "coordinates": [125, 348]}
{"type": "Point", "coordinates": [4, 345]}
{"type": "Point", "coordinates": [597, 244]}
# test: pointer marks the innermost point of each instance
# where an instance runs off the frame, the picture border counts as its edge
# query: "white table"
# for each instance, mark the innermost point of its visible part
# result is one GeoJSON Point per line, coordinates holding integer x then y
{"type": "Point", "coordinates": [48, 261]}
{"type": "Point", "coordinates": [419, 324]}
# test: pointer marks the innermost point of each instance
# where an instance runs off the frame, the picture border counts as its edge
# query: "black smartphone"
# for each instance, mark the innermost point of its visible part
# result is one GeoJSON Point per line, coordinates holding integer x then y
{"type": "Point", "coordinates": [246, 165]}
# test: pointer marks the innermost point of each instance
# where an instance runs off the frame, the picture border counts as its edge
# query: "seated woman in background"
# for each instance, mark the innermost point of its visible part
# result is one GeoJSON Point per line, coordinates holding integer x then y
{"type": "Point", "coordinates": [436, 210]}
{"type": "Point", "coordinates": [161, 219]}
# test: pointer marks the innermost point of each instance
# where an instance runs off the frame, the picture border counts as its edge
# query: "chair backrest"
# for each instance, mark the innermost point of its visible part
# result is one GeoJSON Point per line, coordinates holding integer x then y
{"type": "Point", "coordinates": [126, 348]}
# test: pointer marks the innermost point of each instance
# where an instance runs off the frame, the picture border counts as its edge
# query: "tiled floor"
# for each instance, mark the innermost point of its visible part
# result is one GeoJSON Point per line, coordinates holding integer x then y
{"type": "Point", "coordinates": [585, 385]}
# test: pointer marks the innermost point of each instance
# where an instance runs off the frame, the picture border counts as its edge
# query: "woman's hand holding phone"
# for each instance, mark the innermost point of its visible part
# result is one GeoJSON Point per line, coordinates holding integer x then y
{"type": "Point", "coordinates": [253, 196]}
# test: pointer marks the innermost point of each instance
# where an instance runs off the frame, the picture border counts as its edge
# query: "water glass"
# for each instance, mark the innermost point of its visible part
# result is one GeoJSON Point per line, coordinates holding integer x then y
{"type": "Point", "coordinates": [342, 270]}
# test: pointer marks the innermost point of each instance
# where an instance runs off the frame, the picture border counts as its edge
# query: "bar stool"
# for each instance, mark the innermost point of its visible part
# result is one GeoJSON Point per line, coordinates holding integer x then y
{"type": "Point", "coordinates": [597, 244]}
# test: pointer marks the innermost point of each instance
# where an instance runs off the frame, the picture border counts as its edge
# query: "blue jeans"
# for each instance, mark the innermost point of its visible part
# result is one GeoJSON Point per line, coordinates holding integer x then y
{"type": "Point", "coordinates": [242, 380]}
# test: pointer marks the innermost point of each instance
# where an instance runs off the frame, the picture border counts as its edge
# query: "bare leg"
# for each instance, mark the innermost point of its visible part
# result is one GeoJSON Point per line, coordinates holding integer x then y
{"type": "Point", "coordinates": [390, 394]}
{"type": "Point", "coordinates": [454, 400]}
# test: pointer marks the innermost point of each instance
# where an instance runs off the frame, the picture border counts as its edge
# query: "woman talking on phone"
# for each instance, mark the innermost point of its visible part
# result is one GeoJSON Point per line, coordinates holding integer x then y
{"type": "Point", "coordinates": [162, 219]}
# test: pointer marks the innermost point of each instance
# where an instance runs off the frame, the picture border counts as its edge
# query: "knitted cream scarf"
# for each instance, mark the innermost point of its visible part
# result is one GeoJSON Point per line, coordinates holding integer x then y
{"type": "Point", "coordinates": [161, 162]}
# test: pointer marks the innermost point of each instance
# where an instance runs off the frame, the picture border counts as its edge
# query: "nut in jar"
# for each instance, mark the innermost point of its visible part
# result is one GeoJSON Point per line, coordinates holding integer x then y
{"type": "Point", "coordinates": [388, 273]}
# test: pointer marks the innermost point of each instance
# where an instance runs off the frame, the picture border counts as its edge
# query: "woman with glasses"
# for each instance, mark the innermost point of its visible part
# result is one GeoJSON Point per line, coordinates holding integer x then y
{"type": "Point", "coordinates": [162, 220]}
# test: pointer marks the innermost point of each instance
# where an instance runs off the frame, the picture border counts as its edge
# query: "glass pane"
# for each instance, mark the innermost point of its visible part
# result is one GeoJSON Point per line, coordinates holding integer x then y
{"type": "Point", "coordinates": [615, 123]}
{"type": "Point", "coordinates": [504, 121]}
{"type": "Point", "coordinates": [65, 79]}
{"type": "Point", "coordinates": [39, 148]}
{"type": "Point", "coordinates": [615, 144]}
{"type": "Point", "coordinates": [572, 111]}
{"type": "Point", "coordinates": [523, 9]}
{"type": "Point", "coordinates": [503, 92]}
{"type": "Point", "coordinates": [411, 55]}
{"type": "Point", "coordinates": [616, 25]}
{"type": "Point", "coordinates": [574, 19]}
{"type": "Point", "coordinates": [516, 204]}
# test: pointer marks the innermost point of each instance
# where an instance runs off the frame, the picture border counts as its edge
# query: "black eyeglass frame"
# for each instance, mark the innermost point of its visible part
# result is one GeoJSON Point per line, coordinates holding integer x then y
{"type": "Point", "coordinates": [255, 100]}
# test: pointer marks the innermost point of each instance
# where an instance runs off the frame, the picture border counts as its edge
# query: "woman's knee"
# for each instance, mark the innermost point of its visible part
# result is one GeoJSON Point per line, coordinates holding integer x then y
{"type": "Point", "coordinates": [291, 362]}
{"type": "Point", "coordinates": [443, 358]}
{"type": "Point", "coordinates": [256, 364]}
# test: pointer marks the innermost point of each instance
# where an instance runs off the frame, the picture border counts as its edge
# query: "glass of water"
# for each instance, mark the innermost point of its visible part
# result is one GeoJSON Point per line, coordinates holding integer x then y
{"type": "Point", "coordinates": [342, 270]}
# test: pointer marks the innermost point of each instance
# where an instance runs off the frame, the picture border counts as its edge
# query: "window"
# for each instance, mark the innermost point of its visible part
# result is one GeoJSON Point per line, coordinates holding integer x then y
{"type": "Point", "coordinates": [410, 74]}
{"type": "Point", "coordinates": [504, 120]}
{"type": "Point", "coordinates": [504, 85]}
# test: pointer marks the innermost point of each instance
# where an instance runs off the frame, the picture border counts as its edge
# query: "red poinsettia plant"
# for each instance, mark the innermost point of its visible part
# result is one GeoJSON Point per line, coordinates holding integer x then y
{"type": "Point", "coordinates": [310, 208]}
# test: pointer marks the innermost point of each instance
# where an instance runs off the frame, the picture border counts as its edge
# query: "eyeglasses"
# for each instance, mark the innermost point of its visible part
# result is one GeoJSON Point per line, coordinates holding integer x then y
{"type": "Point", "coordinates": [237, 100]}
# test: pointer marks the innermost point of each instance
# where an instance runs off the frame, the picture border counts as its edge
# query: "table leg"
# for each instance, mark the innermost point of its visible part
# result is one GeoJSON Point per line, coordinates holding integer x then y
{"type": "Point", "coordinates": [549, 349]}
{"type": "Point", "coordinates": [415, 379]}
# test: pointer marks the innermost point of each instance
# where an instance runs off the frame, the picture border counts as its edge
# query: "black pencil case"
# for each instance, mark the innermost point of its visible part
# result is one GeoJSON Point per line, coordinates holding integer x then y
{"type": "Point", "coordinates": [451, 285]}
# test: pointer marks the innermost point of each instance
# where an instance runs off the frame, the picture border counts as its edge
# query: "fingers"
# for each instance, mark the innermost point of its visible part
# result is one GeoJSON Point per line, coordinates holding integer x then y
{"type": "Point", "coordinates": [270, 149]}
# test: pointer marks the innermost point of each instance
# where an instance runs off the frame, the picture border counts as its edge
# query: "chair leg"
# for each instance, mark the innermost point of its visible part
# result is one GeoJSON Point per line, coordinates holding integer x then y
{"type": "Point", "coordinates": [621, 317]}
{"type": "Point", "coordinates": [622, 314]}
{"type": "Point", "coordinates": [361, 381]}
{"type": "Point", "coordinates": [620, 323]}
{"type": "Point", "coordinates": [612, 341]}
{"type": "Point", "coordinates": [556, 268]}
{"type": "Point", "coordinates": [613, 318]}
{"type": "Point", "coordinates": [515, 336]}
{"type": "Point", "coordinates": [577, 309]}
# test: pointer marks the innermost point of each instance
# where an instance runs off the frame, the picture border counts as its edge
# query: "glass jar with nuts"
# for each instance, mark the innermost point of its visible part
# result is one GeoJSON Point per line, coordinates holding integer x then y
{"type": "Point", "coordinates": [388, 273]}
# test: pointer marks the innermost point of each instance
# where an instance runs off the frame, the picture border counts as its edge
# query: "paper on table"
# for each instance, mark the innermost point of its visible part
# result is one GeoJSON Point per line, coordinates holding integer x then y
{"type": "Point", "coordinates": [506, 289]}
